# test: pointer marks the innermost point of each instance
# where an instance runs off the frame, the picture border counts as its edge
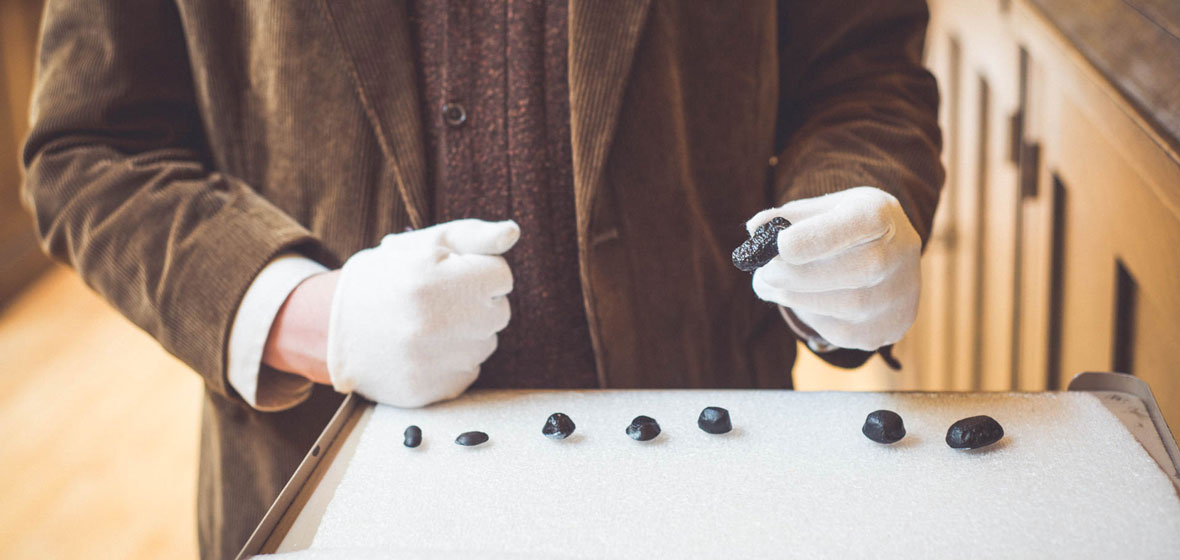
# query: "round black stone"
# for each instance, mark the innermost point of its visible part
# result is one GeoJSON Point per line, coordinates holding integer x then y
{"type": "Point", "coordinates": [715, 420]}
{"type": "Point", "coordinates": [471, 438]}
{"type": "Point", "coordinates": [558, 426]}
{"type": "Point", "coordinates": [974, 432]}
{"type": "Point", "coordinates": [761, 247]}
{"type": "Point", "coordinates": [413, 436]}
{"type": "Point", "coordinates": [643, 428]}
{"type": "Point", "coordinates": [883, 426]}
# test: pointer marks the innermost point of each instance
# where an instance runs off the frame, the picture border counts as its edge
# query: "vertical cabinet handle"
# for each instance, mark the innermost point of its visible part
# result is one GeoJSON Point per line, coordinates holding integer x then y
{"type": "Point", "coordinates": [1025, 155]}
{"type": "Point", "coordinates": [1015, 136]}
{"type": "Point", "coordinates": [1030, 169]}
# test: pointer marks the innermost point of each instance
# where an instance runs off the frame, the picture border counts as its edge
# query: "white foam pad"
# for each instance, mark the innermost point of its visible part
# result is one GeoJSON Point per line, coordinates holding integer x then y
{"type": "Point", "coordinates": [795, 478]}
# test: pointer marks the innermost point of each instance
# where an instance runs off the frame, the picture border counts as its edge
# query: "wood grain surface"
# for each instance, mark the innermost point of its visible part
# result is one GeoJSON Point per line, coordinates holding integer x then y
{"type": "Point", "coordinates": [1135, 44]}
{"type": "Point", "coordinates": [100, 432]}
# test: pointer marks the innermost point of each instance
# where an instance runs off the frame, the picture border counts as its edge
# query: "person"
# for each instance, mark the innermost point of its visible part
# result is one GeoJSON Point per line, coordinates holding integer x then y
{"type": "Point", "coordinates": [405, 199]}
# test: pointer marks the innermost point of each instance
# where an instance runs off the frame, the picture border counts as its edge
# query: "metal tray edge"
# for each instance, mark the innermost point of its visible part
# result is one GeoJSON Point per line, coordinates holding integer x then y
{"type": "Point", "coordinates": [1124, 383]}
{"type": "Point", "coordinates": [1085, 381]}
{"type": "Point", "coordinates": [295, 484]}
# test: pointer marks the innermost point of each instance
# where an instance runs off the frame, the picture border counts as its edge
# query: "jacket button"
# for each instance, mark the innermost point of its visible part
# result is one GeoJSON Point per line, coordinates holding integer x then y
{"type": "Point", "coordinates": [454, 114]}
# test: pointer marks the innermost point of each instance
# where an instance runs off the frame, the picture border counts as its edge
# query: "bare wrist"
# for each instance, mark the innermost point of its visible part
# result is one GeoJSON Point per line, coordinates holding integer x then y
{"type": "Point", "coordinates": [298, 338]}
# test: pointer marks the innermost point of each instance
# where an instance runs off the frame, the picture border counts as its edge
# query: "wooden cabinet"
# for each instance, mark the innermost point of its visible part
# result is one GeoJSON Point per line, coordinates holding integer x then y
{"type": "Point", "coordinates": [1056, 248]}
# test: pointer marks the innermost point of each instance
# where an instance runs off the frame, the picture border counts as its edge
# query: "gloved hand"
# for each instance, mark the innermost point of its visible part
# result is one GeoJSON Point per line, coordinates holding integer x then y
{"type": "Point", "coordinates": [413, 318]}
{"type": "Point", "coordinates": [847, 266]}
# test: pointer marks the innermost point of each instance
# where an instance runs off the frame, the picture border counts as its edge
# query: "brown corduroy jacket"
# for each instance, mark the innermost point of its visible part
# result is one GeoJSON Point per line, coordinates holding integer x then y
{"type": "Point", "coordinates": [176, 147]}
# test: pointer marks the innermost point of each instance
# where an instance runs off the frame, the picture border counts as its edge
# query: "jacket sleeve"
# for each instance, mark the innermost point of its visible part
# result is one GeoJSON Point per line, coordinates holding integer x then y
{"type": "Point", "coordinates": [856, 106]}
{"type": "Point", "coordinates": [121, 188]}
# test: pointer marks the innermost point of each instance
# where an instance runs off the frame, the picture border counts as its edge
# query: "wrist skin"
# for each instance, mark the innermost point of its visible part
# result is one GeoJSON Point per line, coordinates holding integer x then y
{"type": "Point", "coordinates": [298, 338]}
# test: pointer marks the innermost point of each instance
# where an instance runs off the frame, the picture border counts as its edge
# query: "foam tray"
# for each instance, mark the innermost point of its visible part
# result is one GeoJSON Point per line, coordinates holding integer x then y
{"type": "Point", "coordinates": [294, 519]}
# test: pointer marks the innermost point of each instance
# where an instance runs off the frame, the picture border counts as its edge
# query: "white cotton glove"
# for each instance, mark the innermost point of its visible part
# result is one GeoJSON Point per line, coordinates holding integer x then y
{"type": "Point", "coordinates": [413, 318]}
{"type": "Point", "coordinates": [847, 266]}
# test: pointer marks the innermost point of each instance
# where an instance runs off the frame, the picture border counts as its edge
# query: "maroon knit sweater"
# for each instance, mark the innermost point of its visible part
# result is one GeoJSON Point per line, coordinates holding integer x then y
{"type": "Point", "coordinates": [495, 106]}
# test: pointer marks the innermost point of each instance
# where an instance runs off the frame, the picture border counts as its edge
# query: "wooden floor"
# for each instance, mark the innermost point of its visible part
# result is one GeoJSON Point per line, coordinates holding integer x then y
{"type": "Point", "coordinates": [99, 458]}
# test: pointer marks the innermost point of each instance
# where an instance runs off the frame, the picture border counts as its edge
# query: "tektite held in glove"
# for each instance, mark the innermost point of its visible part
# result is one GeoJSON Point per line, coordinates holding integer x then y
{"type": "Point", "coordinates": [848, 266]}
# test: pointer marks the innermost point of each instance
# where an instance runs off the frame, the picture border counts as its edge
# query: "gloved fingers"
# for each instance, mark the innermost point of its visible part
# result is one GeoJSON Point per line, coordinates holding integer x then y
{"type": "Point", "coordinates": [475, 276]}
{"type": "Point", "coordinates": [793, 211]}
{"type": "Point", "coordinates": [497, 274]}
{"type": "Point", "coordinates": [788, 294]}
{"type": "Point", "coordinates": [860, 267]}
{"type": "Point", "coordinates": [494, 316]}
{"type": "Point", "coordinates": [882, 330]}
{"type": "Point", "coordinates": [766, 291]}
{"type": "Point", "coordinates": [463, 381]}
{"type": "Point", "coordinates": [453, 352]}
{"type": "Point", "coordinates": [762, 217]}
{"type": "Point", "coordinates": [411, 392]}
{"type": "Point", "coordinates": [419, 391]}
{"type": "Point", "coordinates": [487, 318]}
{"type": "Point", "coordinates": [479, 237]}
{"type": "Point", "coordinates": [500, 313]}
{"type": "Point", "coordinates": [842, 333]}
{"type": "Point", "coordinates": [485, 347]}
{"type": "Point", "coordinates": [894, 310]}
{"type": "Point", "coordinates": [468, 319]}
{"type": "Point", "coordinates": [447, 352]}
{"type": "Point", "coordinates": [851, 305]}
{"type": "Point", "coordinates": [830, 233]}
{"type": "Point", "coordinates": [390, 239]}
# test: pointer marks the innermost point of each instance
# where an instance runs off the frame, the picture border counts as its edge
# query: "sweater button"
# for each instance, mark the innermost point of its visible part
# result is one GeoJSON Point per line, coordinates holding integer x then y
{"type": "Point", "coordinates": [454, 114]}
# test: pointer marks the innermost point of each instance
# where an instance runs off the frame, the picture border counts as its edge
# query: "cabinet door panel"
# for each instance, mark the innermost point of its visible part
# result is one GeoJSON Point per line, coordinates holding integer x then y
{"type": "Point", "coordinates": [1126, 224]}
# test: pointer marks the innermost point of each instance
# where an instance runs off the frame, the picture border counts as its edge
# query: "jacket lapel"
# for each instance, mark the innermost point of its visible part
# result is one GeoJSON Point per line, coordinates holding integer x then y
{"type": "Point", "coordinates": [376, 38]}
{"type": "Point", "coordinates": [375, 35]}
{"type": "Point", "coordinates": [602, 42]}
